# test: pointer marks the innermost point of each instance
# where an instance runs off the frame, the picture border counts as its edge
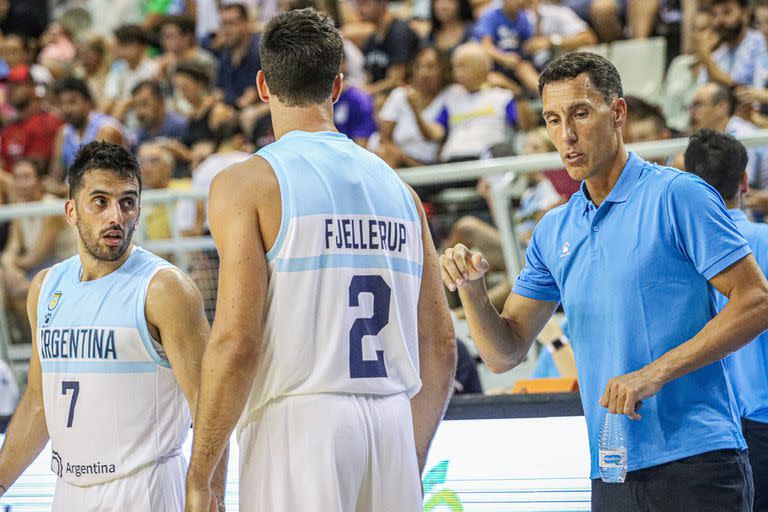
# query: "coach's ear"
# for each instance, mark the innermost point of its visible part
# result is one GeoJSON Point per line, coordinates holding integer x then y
{"type": "Point", "coordinates": [338, 87]}
{"type": "Point", "coordinates": [261, 86]}
{"type": "Point", "coordinates": [619, 108]}
{"type": "Point", "coordinates": [70, 212]}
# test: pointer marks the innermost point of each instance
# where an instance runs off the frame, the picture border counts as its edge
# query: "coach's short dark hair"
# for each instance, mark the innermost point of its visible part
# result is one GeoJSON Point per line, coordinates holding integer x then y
{"type": "Point", "coordinates": [301, 54]}
{"type": "Point", "coordinates": [717, 158]}
{"type": "Point", "coordinates": [72, 84]}
{"type": "Point", "coordinates": [126, 34]}
{"type": "Point", "coordinates": [102, 156]}
{"type": "Point", "coordinates": [601, 72]}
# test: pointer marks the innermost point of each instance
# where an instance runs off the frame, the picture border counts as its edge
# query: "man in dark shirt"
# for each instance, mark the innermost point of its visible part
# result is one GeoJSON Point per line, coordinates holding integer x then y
{"type": "Point", "coordinates": [389, 50]}
{"type": "Point", "coordinates": [154, 121]}
{"type": "Point", "coordinates": [31, 135]}
{"type": "Point", "coordinates": [239, 61]}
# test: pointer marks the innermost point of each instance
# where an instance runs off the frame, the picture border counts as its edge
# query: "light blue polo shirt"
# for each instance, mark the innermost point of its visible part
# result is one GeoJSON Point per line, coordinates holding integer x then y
{"type": "Point", "coordinates": [633, 276]}
{"type": "Point", "coordinates": [748, 367]}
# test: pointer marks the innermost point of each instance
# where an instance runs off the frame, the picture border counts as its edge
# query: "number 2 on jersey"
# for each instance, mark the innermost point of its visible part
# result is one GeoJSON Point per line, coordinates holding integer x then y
{"type": "Point", "coordinates": [74, 385]}
{"type": "Point", "coordinates": [360, 368]}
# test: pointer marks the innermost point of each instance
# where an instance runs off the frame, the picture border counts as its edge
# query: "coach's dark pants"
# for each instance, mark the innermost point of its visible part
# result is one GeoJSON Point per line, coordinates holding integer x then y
{"type": "Point", "coordinates": [756, 435]}
{"type": "Point", "coordinates": [719, 481]}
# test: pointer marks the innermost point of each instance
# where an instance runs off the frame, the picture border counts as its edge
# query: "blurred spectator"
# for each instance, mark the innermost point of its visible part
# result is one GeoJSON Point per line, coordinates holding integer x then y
{"type": "Point", "coordinates": [353, 114]}
{"type": "Point", "coordinates": [193, 82]}
{"type": "Point", "coordinates": [233, 148]}
{"type": "Point", "coordinates": [132, 66]}
{"type": "Point", "coordinates": [58, 53]}
{"type": "Point", "coordinates": [34, 243]}
{"type": "Point", "coordinates": [607, 16]}
{"type": "Point", "coordinates": [645, 123]}
{"type": "Point", "coordinates": [154, 11]}
{"type": "Point", "coordinates": [539, 197]}
{"type": "Point", "coordinates": [157, 165]}
{"type": "Point", "coordinates": [83, 124]}
{"type": "Point", "coordinates": [404, 132]}
{"type": "Point", "coordinates": [113, 13]}
{"type": "Point", "coordinates": [452, 24]}
{"type": "Point", "coordinates": [477, 117]}
{"type": "Point", "coordinates": [713, 108]}
{"type": "Point", "coordinates": [740, 47]}
{"type": "Point", "coordinates": [9, 394]}
{"type": "Point", "coordinates": [558, 29]}
{"type": "Point", "coordinates": [92, 65]}
{"type": "Point", "coordinates": [503, 32]}
{"type": "Point", "coordinates": [389, 50]}
{"type": "Point", "coordinates": [25, 17]}
{"type": "Point", "coordinates": [31, 133]}
{"type": "Point", "coordinates": [16, 50]}
{"type": "Point", "coordinates": [154, 120]}
{"type": "Point", "coordinates": [177, 37]}
{"type": "Point", "coordinates": [239, 62]}
{"type": "Point", "coordinates": [467, 380]}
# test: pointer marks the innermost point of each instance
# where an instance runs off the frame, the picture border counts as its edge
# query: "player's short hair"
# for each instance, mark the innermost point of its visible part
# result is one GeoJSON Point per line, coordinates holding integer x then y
{"type": "Point", "coordinates": [723, 93]}
{"type": "Point", "coordinates": [72, 84]}
{"type": "Point", "coordinates": [742, 3]}
{"type": "Point", "coordinates": [717, 158]}
{"type": "Point", "coordinates": [601, 72]}
{"type": "Point", "coordinates": [102, 156]}
{"type": "Point", "coordinates": [640, 110]}
{"type": "Point", "coordinates": [301, 53]}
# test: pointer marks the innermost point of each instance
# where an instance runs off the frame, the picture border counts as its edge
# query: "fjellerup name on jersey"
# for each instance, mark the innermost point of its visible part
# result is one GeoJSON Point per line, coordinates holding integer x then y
{"type": "Point", "coordinates": [356, 233]}
{"type": "Point", "coordinates": [78, 343]}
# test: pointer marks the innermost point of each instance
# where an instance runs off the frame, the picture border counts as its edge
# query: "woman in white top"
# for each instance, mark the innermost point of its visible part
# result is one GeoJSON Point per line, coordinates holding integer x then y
{"type": "Point", "coordinates": [402, 118]}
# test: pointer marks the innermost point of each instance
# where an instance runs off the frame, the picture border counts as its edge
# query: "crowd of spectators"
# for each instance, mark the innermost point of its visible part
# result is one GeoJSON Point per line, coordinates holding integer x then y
{"type": "Point", "coordinates": [425, 82]}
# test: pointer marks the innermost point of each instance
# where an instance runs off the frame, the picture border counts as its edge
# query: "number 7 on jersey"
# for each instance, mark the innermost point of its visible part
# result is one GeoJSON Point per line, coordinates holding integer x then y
{"type": "Point", "coordinates": [73, 385]}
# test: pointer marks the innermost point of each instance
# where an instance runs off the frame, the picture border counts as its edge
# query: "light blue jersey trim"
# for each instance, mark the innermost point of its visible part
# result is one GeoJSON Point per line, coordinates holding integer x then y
{"type": "Point", "coordinates": [349, 261]}
{"type": "Point", "coordinates": [97, 367]}
{"type": "Point", "coordinates": [286, 212]}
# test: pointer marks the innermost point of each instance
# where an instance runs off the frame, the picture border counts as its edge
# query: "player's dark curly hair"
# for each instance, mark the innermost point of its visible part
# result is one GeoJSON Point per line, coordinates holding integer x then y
{"type": "Point", "coordinates": [602, 74]}
{"type": "Point", "coordinates": [102, 156]}
{"type": "Point", "coordinates": [301, 54]}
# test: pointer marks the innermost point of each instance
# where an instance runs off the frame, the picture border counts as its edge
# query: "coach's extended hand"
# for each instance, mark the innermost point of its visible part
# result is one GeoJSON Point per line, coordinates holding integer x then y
{"type": "Point", "coordinates": [459, 266]}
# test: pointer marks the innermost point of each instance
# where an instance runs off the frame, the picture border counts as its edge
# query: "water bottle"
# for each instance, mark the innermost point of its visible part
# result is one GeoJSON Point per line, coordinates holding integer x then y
{"type": "Point", "coordinates": [612, 450]}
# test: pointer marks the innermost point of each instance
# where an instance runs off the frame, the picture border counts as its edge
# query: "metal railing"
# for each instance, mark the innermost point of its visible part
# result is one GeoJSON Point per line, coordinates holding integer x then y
{"type": "Point", "coordinates": [514, 166]}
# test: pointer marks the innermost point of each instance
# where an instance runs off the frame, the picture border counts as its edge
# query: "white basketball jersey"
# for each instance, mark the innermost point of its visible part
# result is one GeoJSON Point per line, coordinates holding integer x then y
{"type": "Point", "coordinates": [111, 401]}
{"type": "Point", "coordinates": [344, 275]}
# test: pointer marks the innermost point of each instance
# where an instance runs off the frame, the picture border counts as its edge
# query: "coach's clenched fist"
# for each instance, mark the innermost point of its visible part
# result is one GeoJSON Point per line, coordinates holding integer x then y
{"type": "Point", "coordinates": [459, 265]}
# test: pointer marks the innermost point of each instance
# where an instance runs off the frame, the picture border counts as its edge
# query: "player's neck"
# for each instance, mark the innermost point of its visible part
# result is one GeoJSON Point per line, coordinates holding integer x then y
{"type": "Point", "coordinates": [94, 268]}
{"type": "Point", "coordinates": [316, 118]}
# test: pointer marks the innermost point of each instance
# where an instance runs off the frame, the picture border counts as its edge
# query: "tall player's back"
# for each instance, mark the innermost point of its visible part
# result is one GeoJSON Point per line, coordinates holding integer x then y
{"type": "Point", "coordinates": [344, 274]}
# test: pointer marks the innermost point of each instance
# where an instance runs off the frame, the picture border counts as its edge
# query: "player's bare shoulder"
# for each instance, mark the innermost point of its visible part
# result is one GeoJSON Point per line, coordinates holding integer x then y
{"type": "Point", "coordinates": [253, 178]}
{"type": "Point", "coordinates": [170, 294]}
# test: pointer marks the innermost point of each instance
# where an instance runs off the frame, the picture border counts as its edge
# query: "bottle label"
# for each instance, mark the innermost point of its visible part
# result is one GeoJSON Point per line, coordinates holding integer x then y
{"type": "Point", "coordinates": [613, 458]}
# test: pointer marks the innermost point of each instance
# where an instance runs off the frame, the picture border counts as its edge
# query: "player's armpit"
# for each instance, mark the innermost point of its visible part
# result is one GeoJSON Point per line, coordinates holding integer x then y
{"type": "Point", "coordinates": [27, 433]}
